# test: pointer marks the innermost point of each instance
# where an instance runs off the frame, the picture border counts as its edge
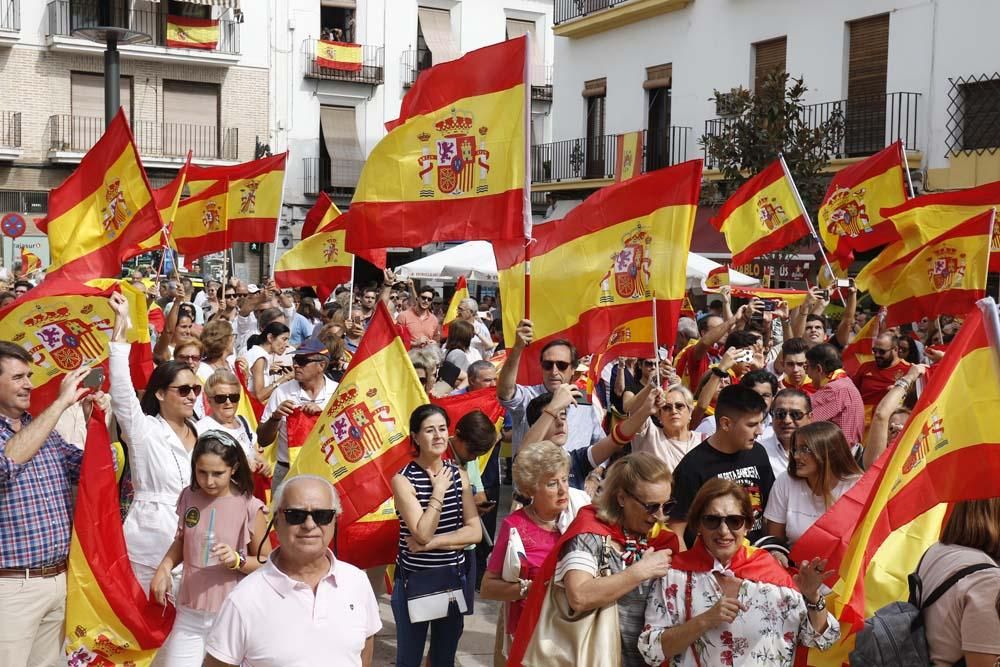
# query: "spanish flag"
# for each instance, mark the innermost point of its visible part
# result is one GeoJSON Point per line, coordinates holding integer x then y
{"type": "Point", "coordinates": [716, 279]}
{"type": "Point", "coordinates": [461, 292]}
{"type": "Point", "coordinates": [859, 351]}
{"type": "Point", "coordinates": [947, 452]}
{"type": "Point", "coordinates": [605, 263]}
{"type": "Point", "coordinates": [633, 338]}
{"type": "Point", "coordinates": [372, 540]}
{"type": "Point", "coordinates": [186, 32]}
{"type": "Point", "coordinates": [255, 195]}
{"type": "Point", "coordinates": [30, 262]}
{"type": "Point", "coordinates": [109, 619]}
{"type": "Point", "coordinates": [454, 165]}
{"type": "Point", "coordinates": [763, 215]}
{"type": "Point", "coordinates": [362, 437]}
{"type": "Point", "coordinates": [947, 275]}
{"type": "Point", "coordinates": [338, 55]}
{"type": "Point", "coordinates": [322, 213]}
{"type": "Point", "coordinates": [103, 212]}
{"type": "Point", "coordinates": [167, 200]}
{"type": "Point", "coordinates": [201, 224]}
{"type": "Point", "coordinates": [850, 216]}
{"type": "Point", "coordinates": [793, 297]}
{"type": "Point", "coordinates": [628, 162]}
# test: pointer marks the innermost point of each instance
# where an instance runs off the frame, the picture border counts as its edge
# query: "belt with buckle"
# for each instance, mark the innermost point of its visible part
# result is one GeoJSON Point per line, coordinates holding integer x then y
{"type": "Point", "coordinates": [32, 572]}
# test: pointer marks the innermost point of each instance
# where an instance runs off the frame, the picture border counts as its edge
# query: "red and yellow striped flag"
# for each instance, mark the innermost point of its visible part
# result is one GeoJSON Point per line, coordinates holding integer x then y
{"type": "Point", "coordinates": [109, 619]}
{"type": "Point", "coordinates": [454, 165]}
{"type": "Point", "coordinates": [167, 200]}
{"type": "Point", "coordinates": [859, 351]}
{"type": "Point", "coordinates": [605, 262]}
{"type": "Point", "coordinates": [103, 212]}
{"type": "Point", "coordinates": [944, 276]}
{"type": "Point", "coordinates": [793, 297]}
{"type": "Point", "coordinates": [628, 161]}
{"type": "Point", "coordinates": [322, 213]}
{"type": "Point", "coordinates": [362, 437]}
{"type": "Point", "coordinates": [850, 216]}
{"type": "Point", "coordinates": [633, 338]}
{"type": "Point", "coordinates": [30, 262]}
{"type": "Point", "coordinates": [187, 32]}
{"type": "Point", "coordinates": [947, 452]}
{"type": "Point", "coordinates": [763, 215]}
{"type": "Point", "coordinates": [461, 292]}
{"type": "Point", "coordinates": [255, 195]}
{"type": "Point", "coordinates": [201, 223]}
{"type": "Point", "coordinates": [338, 55]}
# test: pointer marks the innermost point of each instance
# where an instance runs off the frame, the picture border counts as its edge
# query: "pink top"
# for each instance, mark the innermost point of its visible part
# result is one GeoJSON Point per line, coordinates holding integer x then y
{"type": "Point", "coordinates": [419, 325]}
{"type": "Point", "coordinates": [538, 543]}
{"type": "Point", "coordinates": [205, 586]}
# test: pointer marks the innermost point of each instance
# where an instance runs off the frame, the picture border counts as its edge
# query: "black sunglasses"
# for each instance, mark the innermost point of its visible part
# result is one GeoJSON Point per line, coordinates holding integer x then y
{"type": "Point", "coordinates": [781, 413]}
{"type": "Point", "coordinates": [305, 360]}
{"type": "Point", "coordinates": [185, 389]}
{"type": "Point", "coordinates": [220, 399]}
{"type": "Point", "coordinates": [653, 508]}
{"type": "Point", "coordinates": [734, 522]}
{"type": "Point", "coordinates": [549, 365]}
{"type": "Point", "coordinates": [296, 517]}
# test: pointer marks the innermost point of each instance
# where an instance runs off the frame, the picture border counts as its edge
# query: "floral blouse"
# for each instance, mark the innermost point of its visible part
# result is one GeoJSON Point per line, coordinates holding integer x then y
{"type": "Point", "coordinates": [773, 620]}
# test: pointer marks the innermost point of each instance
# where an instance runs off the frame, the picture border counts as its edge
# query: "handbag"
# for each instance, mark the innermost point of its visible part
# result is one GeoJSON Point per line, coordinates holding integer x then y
{"type": "Point", "coordinates": [429, 593]}
{"type": "Point", "coordinates": [566, 638]}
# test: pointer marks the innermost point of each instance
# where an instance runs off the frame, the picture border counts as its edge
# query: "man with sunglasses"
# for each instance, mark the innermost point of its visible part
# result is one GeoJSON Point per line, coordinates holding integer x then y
{"type": "Point", "coordinates": [422, 325]}
{"type": "Point", "coordinates": [875, 378]}
{"type": "Point", "coordinates": [302, 607]}
{"type": "Point", "coordinates": [791, 409]}
{"type": "Point", "coordinates": [310, 391]}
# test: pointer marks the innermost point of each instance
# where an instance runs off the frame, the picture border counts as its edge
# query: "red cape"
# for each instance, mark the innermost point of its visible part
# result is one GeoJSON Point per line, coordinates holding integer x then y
{"type": "Point", "coordinates": [586, 522]}
{"type": "Point", "coordinates": [748, 563]}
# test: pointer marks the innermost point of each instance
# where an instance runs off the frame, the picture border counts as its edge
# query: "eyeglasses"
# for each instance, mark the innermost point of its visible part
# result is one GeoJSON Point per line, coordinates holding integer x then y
{"type": "Point", "coordinates": [220, 399]}
{"type": "Point", "coordinates": [674, 407]}
{"type": "Point", "coordinates": [231, 296]}
{"type": "Point", "coordinates": [296, 517]}
{"type": "Point", "coordinates": [185, 389]}
{"type": "Point", "coordinates": [781, 413]}
{"type": "Point", "coordinates": [548, 365]}
{"type": "Point", "coordinates": [187, 357]}
{"type": "Point", "coordinates": [426, 298]}
{"type": "Point", "coordinates": [879, 351]}
{"type": "Point", "coordinates": [648, 364]}
{"type": "Point", "coordinates": [734, 522]}
{"type": "Point", "coordinates": [653, 508]}
{"type": "Point", "coordinates": [803, 449]}
{"type": "Point", "coordinates": [304, 360]}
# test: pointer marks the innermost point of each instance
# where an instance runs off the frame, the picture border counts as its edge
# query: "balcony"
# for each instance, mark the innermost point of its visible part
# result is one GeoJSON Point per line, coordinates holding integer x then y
{"type": "Point", "coordinates": [162, 145]}
{"type": "Point", "coordinates": [582, 18]}
{"type": "Point", "coordinates": [10, 22]}
{"type": "Point", "coordinates": [10, 135]}
{"type": "Point", "coordinates": [870, 124]}
{"type": "Point", "coordinates": [371, 69]}
{"type": "Point", "coordinates": [152, 22]}
{"type": "Point", "coordinates": [336, 177]}
{"type": "Point", "coordinates": [412, 63]}
{"type": "Point", "coordinates": [541, 83]}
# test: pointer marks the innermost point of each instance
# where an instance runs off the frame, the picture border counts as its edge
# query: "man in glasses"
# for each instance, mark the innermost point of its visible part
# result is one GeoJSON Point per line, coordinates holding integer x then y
{"type": "Point", "coordinates": [875, 378]}
{"type": "Point", "coordinates": [303, 607]}
{"type": "Point", "coordinates": [790, 410]}
{"type": "Point", "coordinates": [422, 325]}
{"type": "Point", "coordinates": [309, 392]}
{"type": "Point", "coordinates": [558, 361]}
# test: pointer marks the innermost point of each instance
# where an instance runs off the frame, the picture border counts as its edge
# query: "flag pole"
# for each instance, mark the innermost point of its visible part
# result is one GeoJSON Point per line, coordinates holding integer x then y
{"type": "Point", "coordinates": [350, 293]}
{"type": "Point", "coordinates": [526, 204]}
{"type": "Point", "coordinates": [906, 169]}
{"type": "Point", "coordinates": [277, 223]}
{"type": "Point", "coordinates": [656, 346]}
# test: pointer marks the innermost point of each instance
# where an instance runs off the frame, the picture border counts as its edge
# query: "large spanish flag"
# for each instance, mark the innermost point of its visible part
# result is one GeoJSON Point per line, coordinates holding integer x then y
{"type": "Point", "coordinates": [461, 292]}
{"type": "Point", "coordinates": [255, 195]}
{"type": "Point", "coordinates": [103, 212]}
{"type": "Point", "coordinates": [362, 437]}
{"type": "Point", "coordinates": [65, 324]}
{"type": "Point", "coordinates": [338, 55]}
{"type": "Point", "coordinates": [454, 164]}
{"type": "Point", "coordinates": [201, 223]}
{"type": "Point", "coordinates": [763, 215]}
{"type": "Point", "coordinates": [187, 32]}
{"type": "Point", "coordinates": [109, 619]}
{"type": "Point", "coordinates": [945, 276]}
{"type": "Point", "coordinates": [372, 540]}
{"type": "Point", "coordinates": [949, 451]}
{"type": "Point", "coordinates": [850, 216]}
{"type": "Point", "coordinates": [605, 263]}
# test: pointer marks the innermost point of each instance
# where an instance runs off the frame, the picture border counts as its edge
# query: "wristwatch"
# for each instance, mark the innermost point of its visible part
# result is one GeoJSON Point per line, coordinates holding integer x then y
{"type": "Point", "coordinates": [718, 372]}
{"type": "Point", "coordinates": [819, 605]}
{"type": "Point", "coordinates": [525, 584]}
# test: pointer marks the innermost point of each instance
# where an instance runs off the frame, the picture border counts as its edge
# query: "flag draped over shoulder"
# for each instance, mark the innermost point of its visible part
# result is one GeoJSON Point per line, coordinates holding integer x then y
{"type": "Point", "coordinates": [763, 215]}
{"type": "Point", "coordinates": [850, 217]}
{"type": "Point", "coordinates": [453, 165]}
{"type": "Point", "coordinates": [255, 191]}
{"type": "Point", "coordinates": [461, 292]}
{"type": "Point", "coordinates": [947, 275]}
{"type": "Point", "coordinates": [362, 437]}
{"type": "Point", "coordinates": [338, 55]}
{"type": "Point", "coordinates": [201, 223]}
{"type": "Point", "coordinates": [188, 32]}
{"type": "Point", "coordinates": [605, 262]}
{"type": "Point", "coordinates": [109, 619]}
{"type": "Point", "coordinates": [103, 212]}
{"type": "Point", "coordinates": [947, 452]}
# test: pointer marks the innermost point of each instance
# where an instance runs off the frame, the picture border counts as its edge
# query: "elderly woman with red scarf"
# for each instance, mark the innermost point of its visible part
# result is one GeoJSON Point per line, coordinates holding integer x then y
{"type": "Point", "coordinates": [726, 603]}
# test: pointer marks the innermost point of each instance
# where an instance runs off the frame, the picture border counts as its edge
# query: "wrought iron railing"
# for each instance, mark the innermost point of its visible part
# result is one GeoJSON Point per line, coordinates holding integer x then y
{"type": "Point", "coordinates": [371, 69]}
{"type": "Point", "coordinates": [541, 83]}
{"type": "Point", "coordinates": [77, 134]}
{"type": "Point", "coordinates": [973, 123]}
{"type": "Point", "coordinates": [10, 129]}
{"type": "Point", "coordinates": [594, 158]}
{"type": "Point", "coordinates": [153, 22]}
{"type": "Point", "coordinates": [566, 10]}
{"type": "Point", "coordinates": [413, 63]}
{"type": "Point", "coordinates": [10, 15]}
{"type": "Point", "coordinates": [337, 176]}
{"type": "Point", "coordinates": [663, 147]}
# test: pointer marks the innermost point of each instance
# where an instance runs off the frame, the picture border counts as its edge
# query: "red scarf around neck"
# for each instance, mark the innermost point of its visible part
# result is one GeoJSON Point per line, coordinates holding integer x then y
{"type": "Point", "coordinates": [748, 563]}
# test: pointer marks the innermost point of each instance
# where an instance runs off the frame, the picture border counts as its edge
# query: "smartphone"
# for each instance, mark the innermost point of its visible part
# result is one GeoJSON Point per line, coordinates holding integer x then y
{"type": "Point", "coordinates": [745, 356]}
{"type": "Point", "coordinates": [845, 282]}
{"type": "Point", "coordinates": [823, 294]}
{"type": "Point", "coordinates": [94, 379]}
{"type": "Point", "coordinates": [770, 305]}
{"type": "Point", "coordinates": [582, 399]}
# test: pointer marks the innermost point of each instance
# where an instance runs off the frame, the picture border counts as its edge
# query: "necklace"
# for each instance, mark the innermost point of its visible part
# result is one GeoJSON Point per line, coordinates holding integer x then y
{"type": "Point", "coordinates": [533, 515]}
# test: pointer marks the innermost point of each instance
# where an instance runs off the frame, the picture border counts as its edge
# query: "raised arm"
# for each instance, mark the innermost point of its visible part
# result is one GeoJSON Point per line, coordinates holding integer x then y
{"type": "Point", "coordinates": [161, 350]}
{"type": "Point", "coordinates": [124, 403]}
{"type": "Point", "coordinates": [843, 334]}
{"type": "Point", "coordinates": [23, 446]}
{"type": "Point", "coordinates": [507, 382]}
{"type": "Point", "coordinates": [878, 431]}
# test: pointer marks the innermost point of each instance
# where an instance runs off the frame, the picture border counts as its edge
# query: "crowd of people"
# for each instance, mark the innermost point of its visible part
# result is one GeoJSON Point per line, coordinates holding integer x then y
{"type": "Point", "coordinates": [653, 513]}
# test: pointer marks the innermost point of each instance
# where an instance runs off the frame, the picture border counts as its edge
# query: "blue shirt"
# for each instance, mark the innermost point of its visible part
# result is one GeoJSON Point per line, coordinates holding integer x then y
{"type": "Point", "coordinates": [301, 329]}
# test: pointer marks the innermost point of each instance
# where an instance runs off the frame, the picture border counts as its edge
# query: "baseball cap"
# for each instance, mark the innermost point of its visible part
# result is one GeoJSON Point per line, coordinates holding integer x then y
{"type": "Point", "coordinates": [311, 346]}
{"type": "Point", "coordinates": [252, 289]}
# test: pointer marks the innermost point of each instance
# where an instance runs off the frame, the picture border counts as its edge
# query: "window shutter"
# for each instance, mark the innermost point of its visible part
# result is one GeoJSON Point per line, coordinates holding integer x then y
{"type": "Point", "coordinates": [658, 76]}
{"type": "Point", "coordinates": [190, 118]}
{"type": "Point", "coordinates": [87, 95]}
{"type": "Point", "coordinates": [768, 56]}
{"type": "Point", "coordinates": [435, 24]}
{"type": "Point", "coordinates": [868, 58]}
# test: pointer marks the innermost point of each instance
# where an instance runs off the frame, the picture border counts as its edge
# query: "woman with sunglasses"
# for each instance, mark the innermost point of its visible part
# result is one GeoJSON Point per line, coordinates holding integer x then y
{"type": "Point", "coordinates": [725, 603]}
{"type": "Point", "coordinates": [666, 433]}
{"type": "Point", "coordinates": [222, 394]}
{"type": "Point", "coordinates": [159, 433]}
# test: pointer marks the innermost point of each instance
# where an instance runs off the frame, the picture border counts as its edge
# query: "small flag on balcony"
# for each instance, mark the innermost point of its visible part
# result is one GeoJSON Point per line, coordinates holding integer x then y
{"type": "Point", "coordinates": [185, 32]}
{"type": "Point", "coordinates": [629, 157]}
{"type": "Point", "coordinates": [338, 55]}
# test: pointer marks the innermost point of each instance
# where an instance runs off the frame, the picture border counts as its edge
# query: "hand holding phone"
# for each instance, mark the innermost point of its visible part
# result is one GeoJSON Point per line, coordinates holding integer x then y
{"type": "Point", "coordinates": [94, 379]}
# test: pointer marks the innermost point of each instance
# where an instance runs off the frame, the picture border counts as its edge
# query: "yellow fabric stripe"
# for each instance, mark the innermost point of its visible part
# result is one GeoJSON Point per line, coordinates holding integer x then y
{"type": "Point", "coordinates": [915, 279]}
{"type": "Point", "coordinates": [201, 218]}
{"type": "Point", "coordinates": [630, 153]}
{"type": "Point", "coordinates": [266, 190]}
{"type": "Point", "coordinates": [319, 251]}
{"type": "Point", "coordinates": [138, 329]}
{"type": "Point", "coordinates": [191, 34]}
{"type": "Point", "coordinates": [744, 226]}
{"type": "Point", "coordinates": [338, 52]}
{"type": "Point", "coordinates": [862, 204]}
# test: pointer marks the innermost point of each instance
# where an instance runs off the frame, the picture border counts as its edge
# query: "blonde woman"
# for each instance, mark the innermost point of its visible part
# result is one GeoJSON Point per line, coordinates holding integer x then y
{"type": "Point", "coordinates": [666, 433]}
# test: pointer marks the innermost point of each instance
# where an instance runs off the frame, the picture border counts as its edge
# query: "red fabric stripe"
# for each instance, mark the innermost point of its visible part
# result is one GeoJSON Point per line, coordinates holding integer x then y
{"type": "Point", "coordinates": [204, 46]}
{"type": "Point", "coordinates": [480, 72]}
{"type": "Point", "coordinates": [247, 230]}
{"type": "Point", "coordinates": [368, 487]}
{"type": "Point", "coordinates": [459, 405]}
{"type": "Point", "coordinates": [191, 22]}
{"type": "Point", "coordinates": [984, 195]}
{"type": "Point", "coordinates": [368, 544]}
{"type": "Point", "coordinates": [948, 302]}
{"type": "Point", "coordinates": [748, 191]}
{"type": "Point", "coordinates": [338, 65]}
{"type": "Point", "coordinates": [239, 171]}
{"type": "Point", "coordinates": [789, 233]}
{"type": "Point", "coordinates": [380, 334]}
{"type": "Point", "coordinates": [194, 247]}
{"type": "Point", "coordinates": [330, 276]}
{"type": "Point", "coordinates": [316, 215]}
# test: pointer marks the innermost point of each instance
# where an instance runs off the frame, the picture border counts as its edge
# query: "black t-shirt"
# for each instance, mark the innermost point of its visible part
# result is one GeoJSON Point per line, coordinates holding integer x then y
{"type": "Point", "coordinates": [749, 468]}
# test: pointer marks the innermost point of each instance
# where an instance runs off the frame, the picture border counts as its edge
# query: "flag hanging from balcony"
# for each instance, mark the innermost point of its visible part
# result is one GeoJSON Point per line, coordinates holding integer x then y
{"type": "Point", "coordinates": [255, 195]}
{"type": "Point", "coordinates": [338, 55]}
{"type": "Point", "coordinates": [604, 263]}
{"type": "Point", "coordinates": [187, 32]}
{"type": "Point", "coordinates": [201, 223]}
{"type": "Point", "coordinates": [628, 162]}
{"type": "Point", "coordinates": [103, 212]}
{"type": "Point", "coordinates": [763, 215]}
{"type": "Point", "coordinates": [453, 166]}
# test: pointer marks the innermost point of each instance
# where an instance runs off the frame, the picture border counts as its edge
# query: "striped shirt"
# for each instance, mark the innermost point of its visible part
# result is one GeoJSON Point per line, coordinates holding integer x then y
{"type": "Point", "coordinates": [449, 521]}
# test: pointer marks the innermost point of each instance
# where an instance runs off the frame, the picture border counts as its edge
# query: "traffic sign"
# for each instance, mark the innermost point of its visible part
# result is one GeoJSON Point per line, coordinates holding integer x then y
{"type": "Point", "coordinates": [13, 225]}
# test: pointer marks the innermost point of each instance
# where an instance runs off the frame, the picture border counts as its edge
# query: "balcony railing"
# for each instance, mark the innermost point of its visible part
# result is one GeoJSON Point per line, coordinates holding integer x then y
{"type": "Point", "coordinates": [10, 15]}
{"type": "Point", "coordinates": [869, 123]}
{"type": "Point", "coordinates": [594, 158]}
{"type": "Point", "coordinates": [541, 83]}
{"type": "Point", "coordinates": [153, 22]}
{"type": "Point", "coordinates": [664, 147]}
{"type": "Point", "coordinates": [336, 176]}
{"type": "Point", "coordinates": [565, 10]}
{"type": "Point", "coordinates": [413, 63]}
{"type": "Point", "coordinates": [78, 134]}
{"type": "Point", "coordinates": [372, 70]}
{"type": "Point", "coordinates": [10, 129]}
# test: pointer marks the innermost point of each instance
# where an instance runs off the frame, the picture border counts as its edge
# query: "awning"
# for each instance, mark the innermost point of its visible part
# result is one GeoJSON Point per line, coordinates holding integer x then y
{"type": "Point", "coordinates": [435, 25]}
{"type": "Point", "coordinates": [346, 4]}
{"type": "Point", "coordinates": [341, 138]}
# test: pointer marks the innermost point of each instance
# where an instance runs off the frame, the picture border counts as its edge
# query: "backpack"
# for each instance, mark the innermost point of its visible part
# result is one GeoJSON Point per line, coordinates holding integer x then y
{"type": "Point", "coordinates": [895, 636]}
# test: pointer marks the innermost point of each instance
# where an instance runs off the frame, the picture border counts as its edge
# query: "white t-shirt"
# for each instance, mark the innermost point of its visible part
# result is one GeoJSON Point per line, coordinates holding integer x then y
{"type": "Point", "coordinates": [794, 504]}
{"type": "Point", "coordinates": [651, 439]}
{"type": "Point", "coordinates": [243, 433]}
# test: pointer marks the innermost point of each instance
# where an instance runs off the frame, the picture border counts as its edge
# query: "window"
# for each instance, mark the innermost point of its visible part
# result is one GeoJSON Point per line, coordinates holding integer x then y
{"type": "Point", "coordinates": [867, 67]}
{"type": "Point", "coordinates": [337, 20]}
{"type": "Point", "coordinates": [768, 56]}
{"type": "Point", "coordinates": [189, 9]}
{"type": "Point", "coordinates": [980, 115]}
{"type": "Point", "coordinates": [341, 157]}
{"type": "Point", "coordinates": [518, 28]}
{"type": "Point", "coordinates": [435, 37]}
{"type": "Point", "coordinates": [191, 118]}
{"type": "Point", "coordinates": [658, 140]}
{"type": "Point", "coordinates": [87, 95]}
{"type": "Point", "coordinates": [594, 98]}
